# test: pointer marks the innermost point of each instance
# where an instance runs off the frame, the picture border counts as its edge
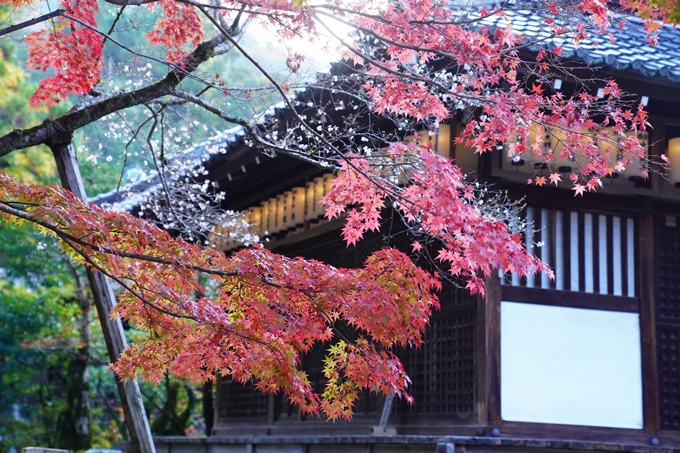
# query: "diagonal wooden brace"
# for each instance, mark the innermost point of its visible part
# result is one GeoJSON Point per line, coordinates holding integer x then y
{"type": "Point", "coordinates": [104, 299]}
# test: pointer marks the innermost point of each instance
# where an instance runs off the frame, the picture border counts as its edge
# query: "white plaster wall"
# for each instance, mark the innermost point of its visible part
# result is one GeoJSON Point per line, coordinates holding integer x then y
{"type": "Point", "coordinates": [570, 366]}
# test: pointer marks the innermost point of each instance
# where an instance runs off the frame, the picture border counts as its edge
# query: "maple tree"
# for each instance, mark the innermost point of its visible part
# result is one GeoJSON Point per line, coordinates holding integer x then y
{"type": "Point", "coordinates": [417, 62]}
{"type": "Point", "coordinates": [267, 310]}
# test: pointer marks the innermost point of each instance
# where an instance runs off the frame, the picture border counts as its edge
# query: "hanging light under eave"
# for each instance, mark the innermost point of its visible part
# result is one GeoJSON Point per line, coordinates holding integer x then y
{"type": "Point", "coordinates": [609, 150]}
{"type": "Point", "coordinates": [674, 157]}
{"type": "Point", "coordinates": [439, 139]}
{"type": "Point", "coordinates": [543, 138]}
{"type": "Point", "coordinates": [515, 160]}
{"type": "Point", "coordinates": [633, 171]}
{"type": "Point", "coordinates": [444, 140]}
{"type": "Point", "coordinates": [528, 161]}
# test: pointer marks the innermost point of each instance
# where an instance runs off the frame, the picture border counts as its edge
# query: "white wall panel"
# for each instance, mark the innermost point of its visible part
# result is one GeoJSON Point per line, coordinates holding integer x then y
{"type": "Point", "coordinates": [570, 366]}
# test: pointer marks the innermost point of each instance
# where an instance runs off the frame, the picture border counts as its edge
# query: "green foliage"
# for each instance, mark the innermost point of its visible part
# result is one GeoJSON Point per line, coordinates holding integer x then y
{"type": "Point", "coordinates": [39, 337]}
{"type": "Point", "coordinates": [32, 368]}
{"type": "Point", "coordinates": [671, 7]}
{"type": "Point", "coordinates": [39, 307]}
{"type": "Point", "coordinates": [32, 165]}
{"type": "Point", "coordinates": [174, 407]}
{"type": "Point", "coordinates": [40, 291]}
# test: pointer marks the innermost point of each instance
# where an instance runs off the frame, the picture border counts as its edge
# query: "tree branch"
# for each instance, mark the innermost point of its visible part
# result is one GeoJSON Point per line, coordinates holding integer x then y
{"type": "Point", "coordinates": [28, 23]}
{"type": "Point", "coordinates": [65, 236]}
{"type": "Point", "coordinates": [92, 111]}
{"type": "Point", "coordinates": [129, 2]}
{"type": "Point", "coordinates": [187, 97]}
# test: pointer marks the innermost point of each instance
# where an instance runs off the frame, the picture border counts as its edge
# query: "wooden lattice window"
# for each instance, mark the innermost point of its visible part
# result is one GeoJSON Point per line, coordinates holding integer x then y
{"type": "Point", "coordinates": [667, 239]}
{"type": "Point", "coordinates": [241, 401]}
{"type": "Point", "coordinates": [442, 371]}
{"type": "Point", "coordinates": [669, 376]}
{"type": "Point", "coordinates": [347, 257]}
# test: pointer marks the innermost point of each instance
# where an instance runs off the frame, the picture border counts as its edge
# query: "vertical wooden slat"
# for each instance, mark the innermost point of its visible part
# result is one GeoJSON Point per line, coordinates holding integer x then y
{"type": "Point", "coordinates": [531, 227]}
{"type": "Point", "coordinates": [574, 251]}
{"type": "Point", "coordinates": [219, 397]}
{"type": "Point", "coordinates": [595, 252]}
{"type": "Point", "coordinates": [547, 247]}
{"type": "Point", "coordinates": [552, 229]}
{"type": "Point", "coordinates": [514, 279]}
{"type": "Point", "coordinates": [647, 278]}
{"type": "Point", "coordinates": [566, 249]}
{"type": "Point", "coordinates": [633, 254]}
{"type": "Point", "coordinates": [624, 256]}
{"type": "Point", "coordinates": [610, 255]}
{"type": "Point", "coordinates": [601, 264]}
{"type": "Point", "coordinates": [271, 407]}
{"type": "Point", "coordinates": [617, 257]}
{"type": "Point", "coordinates": [581, 253]}
{"type": "Point", "coordinates": [481, 358]}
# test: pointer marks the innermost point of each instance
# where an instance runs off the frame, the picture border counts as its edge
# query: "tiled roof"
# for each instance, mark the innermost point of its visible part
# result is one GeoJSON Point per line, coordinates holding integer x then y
{"type": "Point", "coordinates": [131, 195]}
{"type": "Point", "coordinates": [630, 49]}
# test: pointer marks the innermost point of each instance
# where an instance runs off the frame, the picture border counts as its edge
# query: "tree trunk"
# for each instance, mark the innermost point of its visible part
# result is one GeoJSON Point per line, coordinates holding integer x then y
{"type": "Point", "coordinates": [74, 425]}
{"type": "Point", "coordinates": [208, 407]}
{"type": "Point", "coordinates": [171, 422]}
{"type": "Point", "coordinates": [73, 431]}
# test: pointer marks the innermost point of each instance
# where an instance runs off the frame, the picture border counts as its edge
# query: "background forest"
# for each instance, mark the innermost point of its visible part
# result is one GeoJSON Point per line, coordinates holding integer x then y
{"type": "Point", "coordinates": [55, 386]}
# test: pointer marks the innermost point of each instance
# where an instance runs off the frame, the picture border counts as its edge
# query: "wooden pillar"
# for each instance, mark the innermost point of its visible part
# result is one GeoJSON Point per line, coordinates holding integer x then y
{"type": "Point", "coordinates": [492, 349]}
{"type": "Point", "coordinates": [646, 284]}
{"type": "Point", "coordinates": [104, 299]}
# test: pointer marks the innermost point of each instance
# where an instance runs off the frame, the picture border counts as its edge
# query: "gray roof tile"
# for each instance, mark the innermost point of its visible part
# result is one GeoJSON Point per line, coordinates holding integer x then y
{"type": "Point", "coordinates": [630, 51]}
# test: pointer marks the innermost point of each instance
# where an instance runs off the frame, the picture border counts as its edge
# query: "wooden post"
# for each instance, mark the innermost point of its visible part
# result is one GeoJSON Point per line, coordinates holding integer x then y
{"type": "Point", "coordinates": [104, 299]}
{"type": "Point", "coordinates": [492, 342]}
{"type": "Point", "coordinates": [648, 282]}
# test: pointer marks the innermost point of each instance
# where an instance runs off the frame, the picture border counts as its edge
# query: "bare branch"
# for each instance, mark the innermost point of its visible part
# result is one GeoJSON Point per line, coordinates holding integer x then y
{"type": "Point", "coordinates": [130, 2]}
{"type": "Point", "coordinates": [92, 111]}
{"type": "Point", "coordinates": [36, 20]}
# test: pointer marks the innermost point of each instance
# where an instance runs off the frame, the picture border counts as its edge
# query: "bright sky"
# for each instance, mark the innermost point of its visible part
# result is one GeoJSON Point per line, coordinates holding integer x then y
{"type": "Point", "coordinates": [317, 58]}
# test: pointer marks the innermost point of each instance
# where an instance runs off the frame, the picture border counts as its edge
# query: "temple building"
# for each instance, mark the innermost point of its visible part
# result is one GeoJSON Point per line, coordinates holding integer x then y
{"type": "Point", "coordinates": [587, 361]}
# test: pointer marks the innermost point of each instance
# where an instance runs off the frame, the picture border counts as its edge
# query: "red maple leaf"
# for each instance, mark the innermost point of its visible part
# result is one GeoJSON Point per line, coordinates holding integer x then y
{"type": "Point", "coordinates": [579, 189]}
{"type": "Point", "coordinates": [555, 178]}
